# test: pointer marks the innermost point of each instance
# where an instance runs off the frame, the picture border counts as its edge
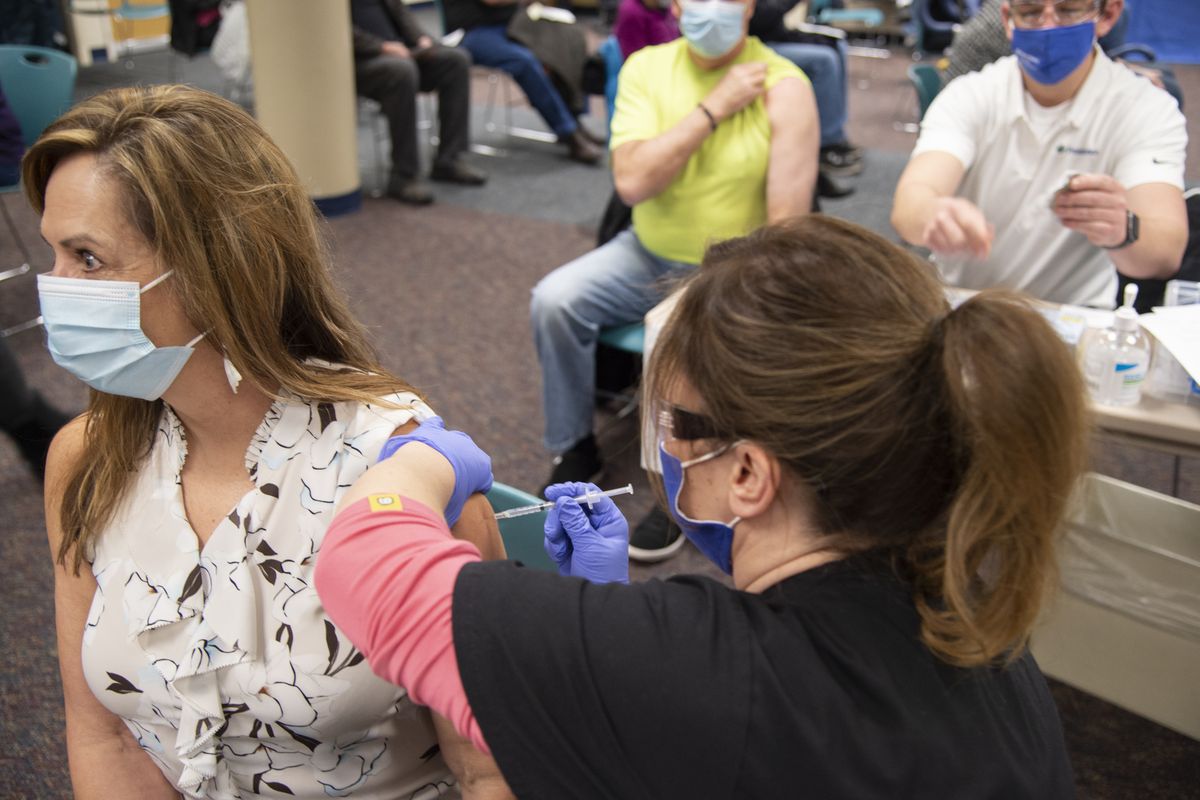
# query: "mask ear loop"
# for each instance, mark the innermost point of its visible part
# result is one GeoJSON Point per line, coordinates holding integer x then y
{"type": "Point", "coordinates": [683, 467]}
{"type": "Point", "coordinates": [156, 282]}
{"type": "Point", "coordinates": [232, 373]}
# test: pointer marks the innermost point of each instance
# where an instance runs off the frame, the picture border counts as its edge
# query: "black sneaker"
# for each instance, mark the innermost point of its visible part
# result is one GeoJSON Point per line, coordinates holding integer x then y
{"type": "Point", "coordinates": [655, 538]}
{"type": "Point", "coordinates": [411, 192]}
{"type": "Point", "coordinates": [581, 463]}
{"type": "Point", "coordinates": [841, 160]}
{"type": "Point", "coordinates": [828, 188]}
{"type": "Point", "coordinates": [458, 171]}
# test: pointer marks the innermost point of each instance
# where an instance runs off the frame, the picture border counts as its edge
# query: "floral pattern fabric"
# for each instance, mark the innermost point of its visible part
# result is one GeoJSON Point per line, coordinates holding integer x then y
{"type": "Point", "coordinates": [221, 660]}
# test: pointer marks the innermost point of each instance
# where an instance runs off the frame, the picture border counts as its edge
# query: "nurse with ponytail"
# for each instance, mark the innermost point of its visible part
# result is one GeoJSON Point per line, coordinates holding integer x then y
{"type": "Point", "coordinates": [882, 477]}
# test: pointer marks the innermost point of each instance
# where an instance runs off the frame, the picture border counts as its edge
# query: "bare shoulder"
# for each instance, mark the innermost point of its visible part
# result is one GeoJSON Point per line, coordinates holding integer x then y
{"type": "Point", "coordinates": [791, 97]}
{"type": "Point", "coordinates": [66, 450]}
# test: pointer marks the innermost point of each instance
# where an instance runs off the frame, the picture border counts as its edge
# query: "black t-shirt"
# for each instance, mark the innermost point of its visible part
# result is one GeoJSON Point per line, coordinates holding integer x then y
{"type": "Point", "coordinates": [372, 17]}
{"type": "Point", "coordinates": [468, 14]}
{"type": "Point", "coordinates": [686, 689]}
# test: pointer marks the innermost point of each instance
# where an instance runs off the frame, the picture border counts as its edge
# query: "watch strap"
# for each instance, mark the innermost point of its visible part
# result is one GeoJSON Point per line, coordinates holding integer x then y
{"type": "Point", "coordinates": [1132, 230]}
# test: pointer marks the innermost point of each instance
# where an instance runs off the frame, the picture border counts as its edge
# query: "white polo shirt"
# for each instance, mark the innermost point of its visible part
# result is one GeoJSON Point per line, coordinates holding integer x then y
{"type": "Point", "coordinates": [1117, 124]}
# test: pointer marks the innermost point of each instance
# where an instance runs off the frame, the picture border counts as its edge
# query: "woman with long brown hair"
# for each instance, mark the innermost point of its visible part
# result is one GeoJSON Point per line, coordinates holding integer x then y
{"type": "Point", "coordinates": [235, 398]}
{"type": "Point", "coordinates": [881, 475]}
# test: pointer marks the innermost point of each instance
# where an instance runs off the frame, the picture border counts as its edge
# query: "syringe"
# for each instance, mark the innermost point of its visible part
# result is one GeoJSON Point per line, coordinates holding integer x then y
{"type": "Point", "coordinates": [589, 498]}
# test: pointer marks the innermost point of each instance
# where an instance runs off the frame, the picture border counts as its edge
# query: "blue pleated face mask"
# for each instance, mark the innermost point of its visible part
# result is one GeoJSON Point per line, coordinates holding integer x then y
{"type": "Point", "coordinates": [1048, 55]}
{"type": "Point", "coordinates": [713, 539]}
{"type": "Point", "coordinates": [94, 331]}
{"type": "Point", "coordinates": [712, 27]}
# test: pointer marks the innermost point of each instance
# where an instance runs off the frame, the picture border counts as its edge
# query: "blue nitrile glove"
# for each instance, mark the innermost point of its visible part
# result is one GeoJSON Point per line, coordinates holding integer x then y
{"type": "Point", "coordinates": [591, 543]}
{"type": "Point", "coordinates": [472, 466]}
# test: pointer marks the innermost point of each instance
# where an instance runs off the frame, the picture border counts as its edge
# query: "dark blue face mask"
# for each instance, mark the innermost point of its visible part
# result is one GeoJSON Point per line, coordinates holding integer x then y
{"type": "Point", "coordinates": [713, 539]}
{"type": "Point", "coordinates": [1048, 55]}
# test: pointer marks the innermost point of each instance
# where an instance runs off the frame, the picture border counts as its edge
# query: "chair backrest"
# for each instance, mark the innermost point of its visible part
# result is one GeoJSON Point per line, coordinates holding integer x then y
{"type": "Point", "coordinates": [523, 535]}
{"type": "Point", "coordinates": [39, 85]}
{"type": "Point", "coordinates": [926, 80]}
{"type": "Point", "coordinates": [610, 51]}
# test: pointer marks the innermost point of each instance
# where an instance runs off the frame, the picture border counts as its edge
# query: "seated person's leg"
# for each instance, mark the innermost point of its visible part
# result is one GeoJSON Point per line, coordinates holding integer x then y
{"type": "Point", "coordinates": [612, 285]}
{"type": "Point", "coordinates": [392, 82]}
{"type": "Point", "coordinates": [447, 71]}
{"type": "Point", "coordinates": [490, 46]}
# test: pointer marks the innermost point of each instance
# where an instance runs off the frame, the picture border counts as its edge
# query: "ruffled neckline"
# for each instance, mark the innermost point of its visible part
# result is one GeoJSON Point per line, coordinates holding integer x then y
{"type": "Point", "coordinates": [175, 435]}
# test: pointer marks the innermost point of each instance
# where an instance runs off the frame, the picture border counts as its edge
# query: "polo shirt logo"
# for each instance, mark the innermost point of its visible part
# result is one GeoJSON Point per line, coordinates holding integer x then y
{"type": "Point", "coordinates": [1077, 151]}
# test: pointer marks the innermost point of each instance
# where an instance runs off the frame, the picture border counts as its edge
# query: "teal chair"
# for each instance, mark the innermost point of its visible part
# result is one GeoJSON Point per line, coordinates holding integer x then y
{"type": "Point", "coordinates": [39, 85]}
{"type": "Point", "coordinates": [826, 13]}
{"type": "Point", "coordinates": [927, 81]}
{"type": "Point", "coordinates": [610, 51]}
{"type": "Point", "coordinates": [628, 338]}
{"type": "Point", "coordinates": [523, 535]}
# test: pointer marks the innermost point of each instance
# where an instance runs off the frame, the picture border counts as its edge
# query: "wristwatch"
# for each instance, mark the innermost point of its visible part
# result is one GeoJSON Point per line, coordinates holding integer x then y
{"type": "Point", "coordinates": [1131, 231]}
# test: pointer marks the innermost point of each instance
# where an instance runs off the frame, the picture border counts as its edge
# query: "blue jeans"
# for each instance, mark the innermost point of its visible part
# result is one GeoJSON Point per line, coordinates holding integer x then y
{"type": "Point", "coordinates": [490, 46]}
{"type": "Point", "coordinates": [826, 70]}
{"type": "Point", "coordinates": [612, 285]}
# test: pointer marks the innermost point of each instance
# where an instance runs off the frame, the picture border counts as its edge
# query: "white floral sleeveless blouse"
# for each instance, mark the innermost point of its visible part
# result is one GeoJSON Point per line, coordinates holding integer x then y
{"type": "Point", "coordinates": [221, 660]}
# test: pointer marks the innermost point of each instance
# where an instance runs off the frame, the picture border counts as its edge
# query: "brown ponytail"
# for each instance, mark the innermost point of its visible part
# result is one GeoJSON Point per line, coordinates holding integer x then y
{"type": "Point", "coordinates": [949, 440]}
{"type": "Point", "coordinates": [1017, 402]}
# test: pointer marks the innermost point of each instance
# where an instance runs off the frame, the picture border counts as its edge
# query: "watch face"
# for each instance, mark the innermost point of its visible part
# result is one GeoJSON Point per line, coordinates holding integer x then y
{"type": "Point", "coordinates": [1131, 227]}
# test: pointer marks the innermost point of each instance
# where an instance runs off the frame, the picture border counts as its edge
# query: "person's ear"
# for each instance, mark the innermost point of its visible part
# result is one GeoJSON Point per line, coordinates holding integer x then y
{"type": "Point", "coordinates": [749, 12]}
{"type": "Point", "coordinates": [1108, 18]}
{"type": "Point", "coordinates": [1006, 18]}
{"type": "Point", "coordinates": [755, 480]}
{"type": "Point", "coordinates": [676, 8]}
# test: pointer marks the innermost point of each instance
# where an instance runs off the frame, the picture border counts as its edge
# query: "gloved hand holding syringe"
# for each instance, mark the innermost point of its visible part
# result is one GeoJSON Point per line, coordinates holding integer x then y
{"type": "Point", "coordinates": [588, 497]}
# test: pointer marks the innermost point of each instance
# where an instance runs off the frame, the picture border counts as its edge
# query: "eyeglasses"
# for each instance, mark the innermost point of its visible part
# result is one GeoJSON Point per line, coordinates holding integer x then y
{"type": "Point", "coordinates": [679, 423]}
{"type": "Point", "coordinates": [1065, 12]}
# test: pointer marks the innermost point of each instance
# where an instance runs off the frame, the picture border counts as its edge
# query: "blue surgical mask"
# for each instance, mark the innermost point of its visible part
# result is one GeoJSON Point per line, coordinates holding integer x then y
{"type": "Point", "coordinates": [712, 27]}
{"type": "Point", "coordinates": [1048, 55]}
{"type": "Point", "coordinates": [94, 331]}
{"type": "Point", "coordinates": [713, 539]}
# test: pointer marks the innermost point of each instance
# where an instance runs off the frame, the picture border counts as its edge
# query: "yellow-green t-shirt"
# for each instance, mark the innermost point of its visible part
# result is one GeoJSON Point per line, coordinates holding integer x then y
{"type": "Point", "coordinates": [722, 191]}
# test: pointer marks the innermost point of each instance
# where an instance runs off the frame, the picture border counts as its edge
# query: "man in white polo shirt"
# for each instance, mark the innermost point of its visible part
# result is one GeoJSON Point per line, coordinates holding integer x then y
{"type": "Point", "coordinates": [1049, 167]}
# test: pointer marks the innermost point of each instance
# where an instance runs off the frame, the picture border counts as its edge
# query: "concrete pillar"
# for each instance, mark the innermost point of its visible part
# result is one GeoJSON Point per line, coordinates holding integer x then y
{"type": "Point", "coordinates": [303, 66]}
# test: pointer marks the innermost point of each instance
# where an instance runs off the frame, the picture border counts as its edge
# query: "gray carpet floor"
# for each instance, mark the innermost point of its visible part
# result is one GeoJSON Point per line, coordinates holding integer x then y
{"type": "Point", "coordinates": [445, 290]}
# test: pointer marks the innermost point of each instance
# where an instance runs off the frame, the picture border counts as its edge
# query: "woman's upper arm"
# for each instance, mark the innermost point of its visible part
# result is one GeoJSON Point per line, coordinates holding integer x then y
{"type": "Point", "coordinates": [100, 748]}
{"type": "Point", "coordinates": [795, 135]}
{"type": "Point", "coordinates": [72, 593]}
{"type": "Point", "coordinates": [477, 524]}
{"type": "Point", "coordinates": [478, 776]}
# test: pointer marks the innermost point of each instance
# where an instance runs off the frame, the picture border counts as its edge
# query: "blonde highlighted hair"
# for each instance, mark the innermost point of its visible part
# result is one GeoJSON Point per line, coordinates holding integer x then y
{"type": "Point", "coordinates": [950, 440]}
{"type": "Point", "coordinates": [222, 207]}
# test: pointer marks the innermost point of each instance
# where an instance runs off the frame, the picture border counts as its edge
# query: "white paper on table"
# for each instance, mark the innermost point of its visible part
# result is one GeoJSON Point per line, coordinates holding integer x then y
{"type": "Point", "coordinates": [1177, 328]}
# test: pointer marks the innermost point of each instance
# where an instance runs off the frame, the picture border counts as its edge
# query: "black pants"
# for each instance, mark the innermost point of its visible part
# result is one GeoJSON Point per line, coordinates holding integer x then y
{"type": "Point", "coordinates": [394, 82]}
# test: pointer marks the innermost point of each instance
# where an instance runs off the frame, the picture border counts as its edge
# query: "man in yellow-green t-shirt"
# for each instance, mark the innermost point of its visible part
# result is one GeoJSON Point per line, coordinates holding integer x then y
{"type": "Point", "coordinates": [713, 135]}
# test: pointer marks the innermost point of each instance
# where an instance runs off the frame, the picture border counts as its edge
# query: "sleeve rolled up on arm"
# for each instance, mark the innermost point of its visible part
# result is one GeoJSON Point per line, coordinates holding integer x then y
{"type": "Point", "coordinates": [385, 574]}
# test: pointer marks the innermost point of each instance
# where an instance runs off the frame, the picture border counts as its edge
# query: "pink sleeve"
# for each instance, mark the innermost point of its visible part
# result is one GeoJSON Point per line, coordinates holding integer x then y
{"type": "Point", "coordinates": [386, 574]}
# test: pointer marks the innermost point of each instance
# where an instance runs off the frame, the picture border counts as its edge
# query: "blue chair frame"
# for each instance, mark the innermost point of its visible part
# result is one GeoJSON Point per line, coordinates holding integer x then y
{"type": "Point", "coordinates": [523, 535]}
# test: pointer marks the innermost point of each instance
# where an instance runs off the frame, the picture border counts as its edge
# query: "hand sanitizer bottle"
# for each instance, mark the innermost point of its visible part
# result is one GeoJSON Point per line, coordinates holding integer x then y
{"type": "Point", "coordinates": [1115, 359]}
